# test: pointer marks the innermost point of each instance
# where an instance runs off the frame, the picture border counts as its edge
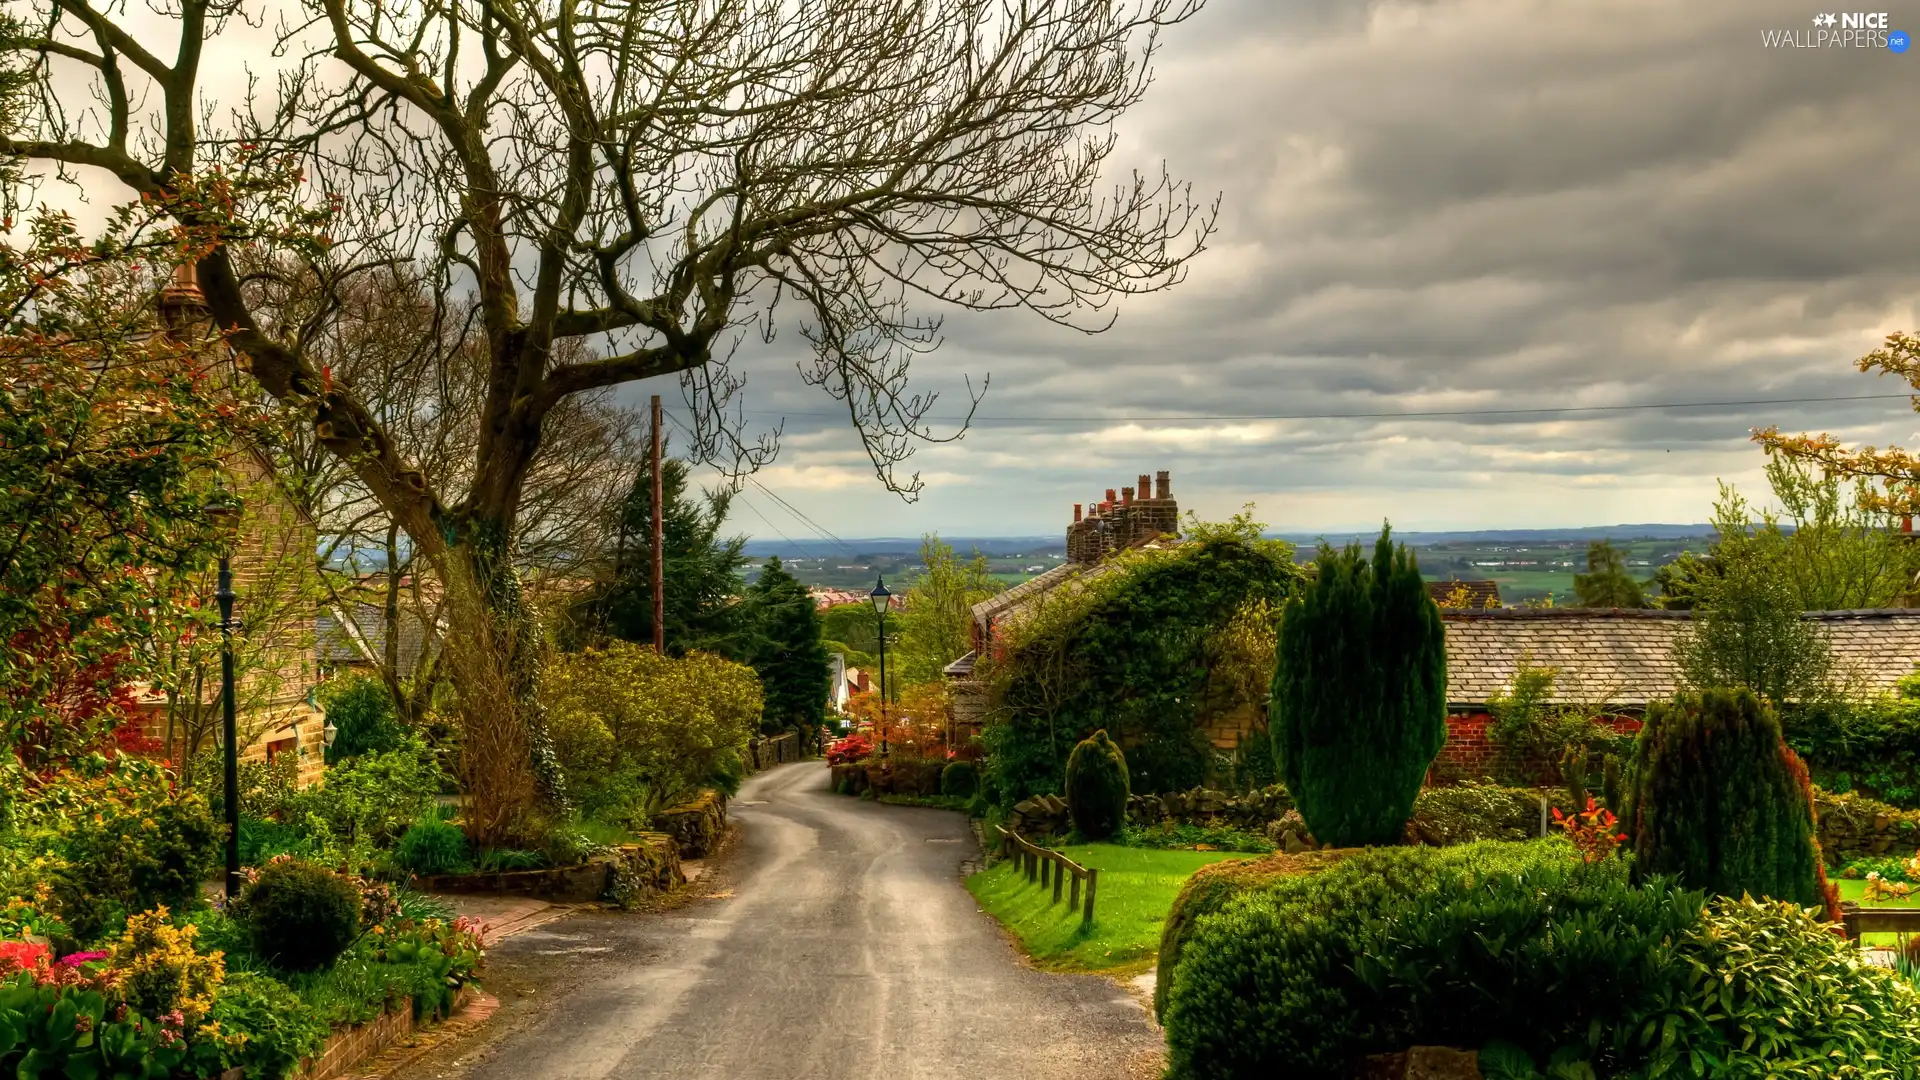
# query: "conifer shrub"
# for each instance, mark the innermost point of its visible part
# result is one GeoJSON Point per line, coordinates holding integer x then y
{"type": "Point", "coordinates": [1718, 800]}
{"type": "Point", "coordinates": [1097, 787]}
{"type": "Point", "coordinates": [960, 779]}
{"type": "Point", "coordinates": [1360, 694]}
{"type": "Point", "coordinates": [300, 917]}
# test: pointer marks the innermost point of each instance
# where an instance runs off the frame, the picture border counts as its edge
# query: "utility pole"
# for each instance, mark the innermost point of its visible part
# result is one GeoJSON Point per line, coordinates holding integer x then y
{"type": "Point", "coordinates": [659, 534]}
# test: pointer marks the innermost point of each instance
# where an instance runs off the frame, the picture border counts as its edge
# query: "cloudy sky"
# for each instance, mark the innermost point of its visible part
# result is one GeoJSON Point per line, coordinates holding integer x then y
{"type": "Point", "coordinates": [1456, 205]}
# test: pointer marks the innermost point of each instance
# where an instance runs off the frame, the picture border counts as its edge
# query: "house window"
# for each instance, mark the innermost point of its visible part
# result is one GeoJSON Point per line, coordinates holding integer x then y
{"type": "Point", "coordinates": [281, 746]}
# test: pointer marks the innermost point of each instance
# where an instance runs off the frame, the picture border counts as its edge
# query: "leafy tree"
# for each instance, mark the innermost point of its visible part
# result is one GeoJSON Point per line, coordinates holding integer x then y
{"type": "Point", "coordinates": [701, 568]}
{"type": "Point", "coordinates": [1890, 477]}
{"type": "Point", "coordinates": [1154, 650]}
{"type": "Point", "coordinates": [111, 443]}
{"type": "Point", "coordinates": [1680, 581]}
{"type": "Point", "coordinates": [653, 180]}
{"type": "Point", "coordinates": [1360, 693]}
{"type": "Point", "coordinates": [855, 626]}
{"type": "Point", "coordinates": [1747, 628]}
{"type": "Point", "coordinates": [638, 731]}
{"type": "Point", "coordinates": [1607, 583]}
{"type": "Point", "coordinates": [365, 718]}
{"type": "Point", "coordinates": [787, 651]}
{"type": "Point", "coordinates": [936, 624]}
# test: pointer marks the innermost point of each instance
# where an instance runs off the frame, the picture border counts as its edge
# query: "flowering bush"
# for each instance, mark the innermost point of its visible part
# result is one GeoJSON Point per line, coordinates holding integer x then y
{"type": "Point", "coordinates": [1879, 888]}
{"type": "Point", "coordinates": [35, 918]}
{"type": "Point", "coordinates": [855, 747]}
{"type": "Point", "coordinates": [448, 955]}
{"type": "Point", "coordinates": [1591, 830]}
{"type": "Point", "coordinates": [161, 974]}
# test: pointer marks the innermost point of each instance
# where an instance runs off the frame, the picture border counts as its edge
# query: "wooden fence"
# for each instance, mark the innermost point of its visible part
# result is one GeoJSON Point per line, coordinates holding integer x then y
{"type": "Point", "coordinates": [1049, 867]}
{"type": "Point", "coordinates": [1859, 920]}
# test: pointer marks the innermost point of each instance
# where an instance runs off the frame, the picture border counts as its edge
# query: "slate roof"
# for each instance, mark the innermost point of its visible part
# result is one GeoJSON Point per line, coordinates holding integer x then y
{"type": "Point", "coordinates": [336, 630]}
{"type": "Point", "coordinates": [1003, 608]}
{"type": "Point", "coordinates": [1625, 657]}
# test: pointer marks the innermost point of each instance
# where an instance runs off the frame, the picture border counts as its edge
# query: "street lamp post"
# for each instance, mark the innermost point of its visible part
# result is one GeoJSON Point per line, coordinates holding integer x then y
{"type": "Point", "coordinates": [881, 599]}
{"type": "Point", "coordinates": [224, 514]}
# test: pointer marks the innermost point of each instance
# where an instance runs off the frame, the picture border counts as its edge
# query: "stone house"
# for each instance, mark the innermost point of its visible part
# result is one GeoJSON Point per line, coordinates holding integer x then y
{"type": "Point", "coordinates": [274, 580]}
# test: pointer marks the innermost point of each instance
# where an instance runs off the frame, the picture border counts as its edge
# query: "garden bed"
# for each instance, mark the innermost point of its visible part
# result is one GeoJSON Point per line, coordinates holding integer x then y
{"type": "Point", "coordinates": [351, 1046]}
{"type": "Point", "coordinates": [654, 861]}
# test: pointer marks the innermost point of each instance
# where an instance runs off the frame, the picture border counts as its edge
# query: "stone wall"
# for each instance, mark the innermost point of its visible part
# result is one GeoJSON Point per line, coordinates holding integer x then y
{"type": "Point", "coordinates": [897, 778]}
{"type": "Point", "coordinates": [1856, 827]}
{"type": "Point", "coordinates": [1047, 815]}
{"type": "Point", "coordinates": [763, 754]}
{"type": "Point", "coordinates": [696, 825]}
{"type": "Point", "coordinates": [655, 857]}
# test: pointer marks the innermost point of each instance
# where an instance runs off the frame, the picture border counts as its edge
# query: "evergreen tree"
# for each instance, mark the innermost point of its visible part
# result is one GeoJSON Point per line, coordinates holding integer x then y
{"type": "Point", "coordinates": [1719, 801]}
{"type": "Point", "coordinates": [701, 569]}
{"type": "Point", "coordinates": [1360, 694]}
{"type": "Point", "coordinates": [787, 651]}
{"type": "Point", "coordinates": [1606, 584]}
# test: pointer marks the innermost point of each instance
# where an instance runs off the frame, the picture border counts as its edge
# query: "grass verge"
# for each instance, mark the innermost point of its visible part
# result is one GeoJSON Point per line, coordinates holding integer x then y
{"type": "Point", "coordinates": [1137, 889]}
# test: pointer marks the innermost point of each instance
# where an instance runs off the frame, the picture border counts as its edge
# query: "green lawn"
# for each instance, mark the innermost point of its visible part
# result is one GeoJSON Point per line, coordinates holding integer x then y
{"type": "Point", "coordinates": [1137, 888]}
{"type": "Point", "coordinates": [1856, 892]}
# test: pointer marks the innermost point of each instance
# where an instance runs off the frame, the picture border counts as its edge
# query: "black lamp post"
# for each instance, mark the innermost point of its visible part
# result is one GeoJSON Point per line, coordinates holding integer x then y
{"type": "Point", "coordinates": [224, 514]}
{"type": "Point", "coordinates": [881, 599]}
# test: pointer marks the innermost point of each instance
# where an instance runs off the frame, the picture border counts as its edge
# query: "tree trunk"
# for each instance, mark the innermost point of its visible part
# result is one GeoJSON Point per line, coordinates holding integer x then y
{"type": "Point", "coordinates": [515, 788]}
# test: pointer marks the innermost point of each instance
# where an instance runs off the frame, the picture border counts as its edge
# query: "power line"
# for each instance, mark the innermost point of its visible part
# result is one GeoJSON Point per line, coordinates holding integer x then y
{"type": "Point", "coordinates": [790, 508]}
{"type": "Point", "coordinates": [1412, 414]}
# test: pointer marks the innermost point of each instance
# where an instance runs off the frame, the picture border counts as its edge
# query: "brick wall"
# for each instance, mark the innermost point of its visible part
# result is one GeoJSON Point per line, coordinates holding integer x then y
{"type": "Point", "coordinates": [1470, 754]}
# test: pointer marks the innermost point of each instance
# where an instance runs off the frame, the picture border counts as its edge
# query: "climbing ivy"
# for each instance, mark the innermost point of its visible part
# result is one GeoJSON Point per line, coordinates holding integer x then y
{"type": "Point", "coordinates": [1150, 647]}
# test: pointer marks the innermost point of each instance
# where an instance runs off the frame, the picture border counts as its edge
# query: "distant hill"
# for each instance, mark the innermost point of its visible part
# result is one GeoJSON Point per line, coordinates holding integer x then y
{"type": "Point", "coordinates": [901, 545]}
{"type": "Point", "coordinates": [1013, 545]}
{"type": "Point", "coordinates": [1585, 532]}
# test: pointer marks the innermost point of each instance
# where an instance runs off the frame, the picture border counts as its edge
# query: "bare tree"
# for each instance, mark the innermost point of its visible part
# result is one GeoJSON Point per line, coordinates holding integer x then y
{"type": "Point", "coordinates": [418, 364]}
{"type": "Point", "coordinates": [651, 177]}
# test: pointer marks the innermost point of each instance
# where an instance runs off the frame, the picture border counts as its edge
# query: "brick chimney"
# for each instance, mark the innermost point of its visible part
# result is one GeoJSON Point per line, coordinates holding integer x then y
{"type": "Point", "coordinates": [181, 302]}
{"type": "Point", "coordinates": [1163, 485]}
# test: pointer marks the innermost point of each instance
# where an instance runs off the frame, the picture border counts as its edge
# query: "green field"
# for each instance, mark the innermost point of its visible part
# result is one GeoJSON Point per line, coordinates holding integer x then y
{"type": "Point", "coordinates": [1137, 889]}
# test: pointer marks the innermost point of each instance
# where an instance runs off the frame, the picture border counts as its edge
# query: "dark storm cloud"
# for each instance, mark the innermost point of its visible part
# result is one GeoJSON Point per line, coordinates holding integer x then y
{"type": "Point", "coordinates": [1455, 206]}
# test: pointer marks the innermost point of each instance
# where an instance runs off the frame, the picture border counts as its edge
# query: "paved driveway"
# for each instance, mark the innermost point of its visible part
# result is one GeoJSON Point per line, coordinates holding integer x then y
{"type": "Point", "coordinates": [847, 948]}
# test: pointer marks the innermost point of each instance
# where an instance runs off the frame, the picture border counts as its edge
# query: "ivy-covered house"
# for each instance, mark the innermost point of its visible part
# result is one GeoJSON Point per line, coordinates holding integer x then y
{"type": "Point", "coordinates": [1164, 641]}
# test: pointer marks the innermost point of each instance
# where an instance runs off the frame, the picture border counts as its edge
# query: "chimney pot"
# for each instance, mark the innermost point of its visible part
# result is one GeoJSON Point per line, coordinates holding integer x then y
{"type": "Point", "coordinates": [1126, 496]}
{"type": "Point", "coordinates": [1110, 495]}
{"type": "Point", "coordinates": [1076, 513]}
{"type": "Point", "coordinates": [1144, 487]}
{"type": "Point", "coordinates": [1163, 485]}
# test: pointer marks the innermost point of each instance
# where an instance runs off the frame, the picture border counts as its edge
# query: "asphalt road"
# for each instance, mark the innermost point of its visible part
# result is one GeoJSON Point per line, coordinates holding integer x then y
{"type": "Point", "coordinates": [846, 947]}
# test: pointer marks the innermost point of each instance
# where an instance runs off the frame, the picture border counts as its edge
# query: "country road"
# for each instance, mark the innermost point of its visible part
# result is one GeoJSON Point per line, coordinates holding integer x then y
{"type": "Point", "coordinates": [847, 948]}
